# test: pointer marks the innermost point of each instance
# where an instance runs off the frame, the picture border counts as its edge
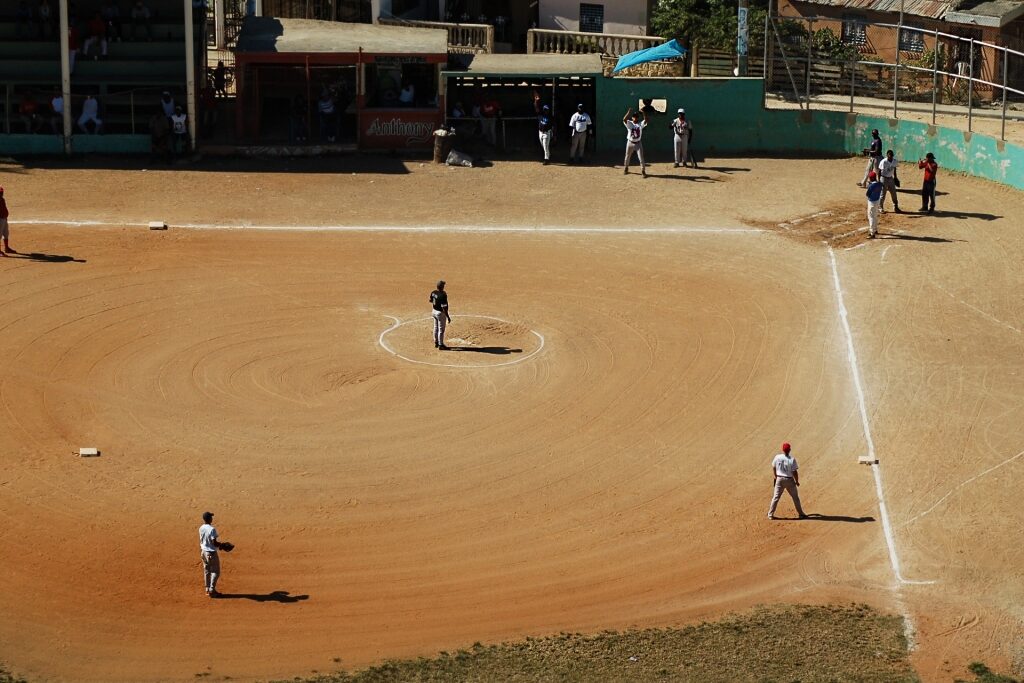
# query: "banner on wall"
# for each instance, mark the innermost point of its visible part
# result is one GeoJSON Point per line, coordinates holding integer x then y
{"type": "Point", "coordinates": [391, 129]}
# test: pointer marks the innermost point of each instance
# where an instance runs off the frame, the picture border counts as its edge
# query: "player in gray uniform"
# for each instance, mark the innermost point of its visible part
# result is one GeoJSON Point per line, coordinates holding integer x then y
{"type": "Point", "coordinates": [682, 130]}
{"type": "Point", "coordinates": [439, 302]}
{"type": "Point", "coordinates": [786, 478]}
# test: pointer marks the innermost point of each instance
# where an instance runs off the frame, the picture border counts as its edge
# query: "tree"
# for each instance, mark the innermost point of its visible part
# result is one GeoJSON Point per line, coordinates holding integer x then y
{"type": "Point", "coordinates": [706, 23]}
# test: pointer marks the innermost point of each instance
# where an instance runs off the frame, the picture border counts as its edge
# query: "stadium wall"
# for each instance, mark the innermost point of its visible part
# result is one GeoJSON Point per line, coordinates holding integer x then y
{"type": "Point", "coordinates": [729, 118]}
{"type": "Point", "coordinates": [35, 145]}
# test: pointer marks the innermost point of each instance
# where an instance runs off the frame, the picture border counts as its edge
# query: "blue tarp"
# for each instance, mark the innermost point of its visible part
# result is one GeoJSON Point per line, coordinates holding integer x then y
{"type": "Point", "coordinates": [669, 50]}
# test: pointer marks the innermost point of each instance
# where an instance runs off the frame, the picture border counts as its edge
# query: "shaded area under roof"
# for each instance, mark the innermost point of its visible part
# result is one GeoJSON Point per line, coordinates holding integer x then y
{"type": "Point", "coordinates": [531, 65]}
{"type": "Point", "coordinates": [932, 9]}
{"type": "Point", "coordinates": [270, 34]}
{"type": "Point", "coordinates": [986, 13]}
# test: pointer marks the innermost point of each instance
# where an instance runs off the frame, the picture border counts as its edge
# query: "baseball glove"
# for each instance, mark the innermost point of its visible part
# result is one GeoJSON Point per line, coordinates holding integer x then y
{"type": "Point", "coordinates": [227, 547]}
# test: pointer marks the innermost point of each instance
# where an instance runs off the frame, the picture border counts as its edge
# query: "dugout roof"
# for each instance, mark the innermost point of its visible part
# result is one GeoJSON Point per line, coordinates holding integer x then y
{"type": "Point", "coordinates": [539, 65]}
{"type": "Point", "coordinates": [305, 36]}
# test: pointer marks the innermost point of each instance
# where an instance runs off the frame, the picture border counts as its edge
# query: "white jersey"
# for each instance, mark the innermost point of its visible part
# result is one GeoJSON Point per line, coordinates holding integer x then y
{"type": "Point", "coordinates": [579, 122]}
{"type": "Point", "coordinates": [634, 131]}
{"type": "Point", "coordinates": [886, 168]}
{"type": "Point", "coordinates": [784, 465]}
{"type": "Point", "coordinates": [178, 121]}
{"type": "Point", "coordinates": [207, 535]}
{"type": "Point", "coordinates": [681, 128]}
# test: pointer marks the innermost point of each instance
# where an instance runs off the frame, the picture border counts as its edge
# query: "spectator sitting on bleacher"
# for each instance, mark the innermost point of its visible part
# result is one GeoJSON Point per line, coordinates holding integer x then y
{"type": "Point", "coordinates": [141, 16]}
{"type": "Point", "coordinates": [97, 34]}
{"type": "Point", "coordinates": [167, 104]}
{"type": "Point", "coordinates": [90, 114]}
{"type": "Point", "coordinates": [179, 128]}
{"type": "Point", "coordinates": [57, 113]}
{"type": "Point", "coordinates": [28, 111]}
{"type": "Point", "coordinates": [46, 19]}
{"type": "Point", "coordinates": [24, 26]}
{"type": "Point", "coordinates": [112, 17]}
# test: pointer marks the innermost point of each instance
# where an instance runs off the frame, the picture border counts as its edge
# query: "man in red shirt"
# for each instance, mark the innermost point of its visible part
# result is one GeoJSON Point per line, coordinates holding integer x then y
{"type": "Point", "coordinates": [5, 232]}
{"type": "Point", "coordinates": [97, 33]}
{"type": "Point", "coordinates": [490, 110]}
{"type": "Point", "coordinates": [931, 167]}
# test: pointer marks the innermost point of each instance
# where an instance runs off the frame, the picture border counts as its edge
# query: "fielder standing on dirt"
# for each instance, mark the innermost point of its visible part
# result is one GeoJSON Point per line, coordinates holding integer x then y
{"type": "Point", "coordinates": [786, 478]}
{"type": "Point", "coordinates": [439, 302]}
{"type": "Point", "coordinates": [5, 231]}
{"type": "Point", "coordinates": [634, 131]}
{"type": "Point", "coordinates": [208, 547]}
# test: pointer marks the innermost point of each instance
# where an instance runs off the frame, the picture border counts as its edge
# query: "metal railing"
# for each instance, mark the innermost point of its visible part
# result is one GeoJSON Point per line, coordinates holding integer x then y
{"type": "Point", "coordinates": [462, 38]}
{"type": "Point", "coordinates": [890, 67]}
{"type": "Point", "coordinates": [578, 43]}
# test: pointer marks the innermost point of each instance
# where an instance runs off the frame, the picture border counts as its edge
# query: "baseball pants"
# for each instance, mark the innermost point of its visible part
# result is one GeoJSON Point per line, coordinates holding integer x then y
{"type": "Point", "coordinates": [785, 484]}
{"type": "Point", "coordinates": [211, 570]}
{"type": "Point", "coordinates": [889, 187]}
{"type": "Point", "coordinates": [579, 145]}
{"type": "Point", "coordinates": [928, 195]}
{"type": "Point", "coordinates": [632, 147]}
{"type": "Point", "coordinates": [682, 146]}
{"type": "Point", "coordinates": [489, 126]}
{"type": "Point", "coordinates": [440, 322]}
{"type": "Point", "coordinates": [5, 230]}
{"type": "Point", "coordinates": [872, 166]}
{"type": "Point", "coordinates": [873, 209]}
{"type": "Point", "coordinates": [545, 143]}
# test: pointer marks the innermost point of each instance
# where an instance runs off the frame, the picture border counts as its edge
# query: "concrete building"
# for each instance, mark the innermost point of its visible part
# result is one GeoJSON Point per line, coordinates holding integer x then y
{"type": "Point", "coordinates": [619, 16]}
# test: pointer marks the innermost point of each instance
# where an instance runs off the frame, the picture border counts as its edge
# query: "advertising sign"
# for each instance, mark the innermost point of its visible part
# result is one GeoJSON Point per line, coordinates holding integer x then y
{"type": "Point", "coordinates": [397, 129]}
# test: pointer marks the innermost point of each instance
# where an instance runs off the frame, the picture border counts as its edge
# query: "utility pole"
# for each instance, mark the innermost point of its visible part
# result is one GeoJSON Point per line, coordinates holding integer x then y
{"type": "Point", "coordinates": [741, 38]}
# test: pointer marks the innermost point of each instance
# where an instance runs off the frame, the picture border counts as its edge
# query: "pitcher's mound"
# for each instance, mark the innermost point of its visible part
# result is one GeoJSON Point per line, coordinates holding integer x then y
{"type": "Point", "coordinates": [472, 340]}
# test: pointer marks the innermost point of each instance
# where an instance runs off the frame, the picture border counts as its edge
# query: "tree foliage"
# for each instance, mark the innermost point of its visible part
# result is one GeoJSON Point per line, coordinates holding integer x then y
{"type": "Point", "coordinates": [706, 23]}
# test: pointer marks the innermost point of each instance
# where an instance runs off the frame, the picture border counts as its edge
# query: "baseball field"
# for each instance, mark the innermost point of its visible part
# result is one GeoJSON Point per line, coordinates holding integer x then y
{"type": "Point", "coordinates": [628, 355]}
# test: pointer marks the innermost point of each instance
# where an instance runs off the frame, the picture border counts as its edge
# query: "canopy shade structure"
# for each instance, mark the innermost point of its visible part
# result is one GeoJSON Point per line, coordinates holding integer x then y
{"type": "Point", "coordinates": [669, 50]}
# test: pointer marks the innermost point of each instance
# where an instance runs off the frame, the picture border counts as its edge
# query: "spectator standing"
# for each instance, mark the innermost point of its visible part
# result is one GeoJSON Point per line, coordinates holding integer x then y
{"type": "Point", "coordinates": [28, 111]}
{"type": "Point", "coordinates": [887, 173]}
{"type": "Point", "coordinates": [90, 114]}
{"type": "Point", "coordinates": [179, 129]}
{"type": "Point", "coordinates": [72, 47]}
{"type": "Point", "coordinates": [208, 105]}
{"type": "Point", "coordinates": [57, 113]}
{"type": "Point", "coordinates": [874, 195]}
{"type": "Point", "coordinates": [97, 34]}
{"type": "Point", "coordinates": [490, 112]}
{"type": "Point", "coordinates": [682, 131]}
{"type": "Point", "coordinates": [297, 129]}
{"type": "Point", "coordinates": [5, 231]}
{"type": "Point", "coordinates": [111, 14]}
{"type": "Point", "coordinates": [634, 131]}
{"type": "Point", "coordinates": [544, 126]}
{"type": "Point", "coordinates": [167, 104]}
{"type": "Point", "coordinates": [328, 116]}
{"type": "Point", "coordinates": [407, 95]}
{"type": "Point", "coordinates": [220, 79]}
{"type": "Point", "coordinates": [141, 16]}
{"type": "Point", "coordinates": [931, 168]}
{"type": "Point", "coordinates": [160, 136]}
{"type": "Point", "coordinates": [874, 152]}
{"type": "Point", "coordinates": [579, 127]}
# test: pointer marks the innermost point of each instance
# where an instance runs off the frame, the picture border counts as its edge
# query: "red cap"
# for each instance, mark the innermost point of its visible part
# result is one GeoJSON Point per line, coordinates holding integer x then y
{"type": "Point", "coordinates": [872, 175]}
{"type": "Point", "coordinates": [785, 447]}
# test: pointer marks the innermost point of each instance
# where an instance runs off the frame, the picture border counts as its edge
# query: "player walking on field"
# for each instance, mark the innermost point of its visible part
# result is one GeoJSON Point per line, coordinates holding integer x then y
{"type": "Point", "coordinates": [634, 131]}
{"type": "Point", "coordinates": [439, 302]}
{"type": "Point", "coordinates": [208, 547]}
{"type": "Point", "coordinates": [5, 231]}
{"type": "Point", "coordinates": [786, 478]}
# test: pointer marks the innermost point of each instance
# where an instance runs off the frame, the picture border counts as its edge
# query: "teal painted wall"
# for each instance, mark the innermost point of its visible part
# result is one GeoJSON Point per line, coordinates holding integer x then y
{"type": "Point", "coordinates": [728, 118]}
{"type": "Point", "coordinates": [80, 144]}
{"type": "Point", "coordinates": [31, 144]}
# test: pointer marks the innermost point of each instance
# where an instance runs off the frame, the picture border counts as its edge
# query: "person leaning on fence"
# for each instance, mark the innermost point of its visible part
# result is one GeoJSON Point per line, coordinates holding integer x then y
{"type": "Point", "coordinates": [874, 153]}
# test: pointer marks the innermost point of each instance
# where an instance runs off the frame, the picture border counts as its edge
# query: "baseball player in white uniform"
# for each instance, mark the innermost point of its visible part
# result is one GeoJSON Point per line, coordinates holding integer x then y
{"type": "Point", "coordinates": [681, 131]}
{"type": "Point", "coordinates": [208, 545]}
{"type": "Point", "coordinates": [786, 478]}
{"type": "Point", "coordinates": [634, 131]}
{"type": "Point", "coordinates": [579, 126]}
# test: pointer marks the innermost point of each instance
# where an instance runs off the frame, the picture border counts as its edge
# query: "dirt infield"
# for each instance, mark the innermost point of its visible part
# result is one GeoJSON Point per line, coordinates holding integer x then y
{"type": "Point", "coordinates": [595, 457]}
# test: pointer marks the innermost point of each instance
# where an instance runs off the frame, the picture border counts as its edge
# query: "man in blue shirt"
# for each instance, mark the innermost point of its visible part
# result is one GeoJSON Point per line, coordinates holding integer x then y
{"type": "Point", "coordinates": [874, 195]}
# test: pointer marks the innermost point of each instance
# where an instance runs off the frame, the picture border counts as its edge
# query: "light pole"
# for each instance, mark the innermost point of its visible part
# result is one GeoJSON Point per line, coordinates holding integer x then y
{"type": "Point", "coordinates": [741, 38]}
{"type": "Point", "coordinates": [896, 70]}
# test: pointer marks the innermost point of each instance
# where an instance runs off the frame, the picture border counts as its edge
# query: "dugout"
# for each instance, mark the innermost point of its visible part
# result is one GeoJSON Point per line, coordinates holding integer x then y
{"type": "Point", "coordinates": [283, 65]}
{"type": "Point", "coordinates": [563, 81]}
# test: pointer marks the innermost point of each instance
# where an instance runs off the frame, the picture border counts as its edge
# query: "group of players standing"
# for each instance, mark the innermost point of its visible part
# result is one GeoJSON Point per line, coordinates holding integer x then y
{"type": "Point", "coordinates": [881, 178]}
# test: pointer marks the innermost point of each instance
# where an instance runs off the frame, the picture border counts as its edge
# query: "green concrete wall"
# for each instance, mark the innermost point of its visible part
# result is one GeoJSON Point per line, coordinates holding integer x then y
{"type": "Point", "coordinates": [35, 145]}
{"type": "Point", "coordinates": [728, 118]}
{"type": "Point", "coordinates": [31, 144]}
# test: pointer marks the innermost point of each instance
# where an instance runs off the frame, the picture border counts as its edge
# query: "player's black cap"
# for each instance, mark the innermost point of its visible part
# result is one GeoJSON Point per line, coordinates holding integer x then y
{"type": "Point", "coordinates": [207, 517]}
{"type": "Point", "coordinates": [440, 283]}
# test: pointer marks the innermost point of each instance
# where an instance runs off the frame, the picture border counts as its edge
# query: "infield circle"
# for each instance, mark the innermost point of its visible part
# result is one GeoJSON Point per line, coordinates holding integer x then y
{"type": "Point", "coordinates": [469, 336]}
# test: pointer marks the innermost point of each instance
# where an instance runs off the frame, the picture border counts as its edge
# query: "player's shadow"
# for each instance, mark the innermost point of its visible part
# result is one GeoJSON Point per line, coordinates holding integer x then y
{"type": "Point", "coordinates": [724, 169]}
{"type": "Point", "coordinates": [943, 213]}
{"type": "Point", "coordinates": [275, 596]}
{"type": "Point", "coordinates": [47, 258]}
{"type": "Point", "coordinates": [497, 350]}
{"type": "Point", "coordinates": [917, 238]}
{"type": "Point", "coordinates": [814, 516]}
{"type": "Point", "coordinates": [691, 178]}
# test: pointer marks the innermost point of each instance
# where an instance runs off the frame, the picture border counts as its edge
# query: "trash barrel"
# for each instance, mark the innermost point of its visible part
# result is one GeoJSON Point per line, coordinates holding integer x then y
{"type": "Point", "coordinates": [443, 141]}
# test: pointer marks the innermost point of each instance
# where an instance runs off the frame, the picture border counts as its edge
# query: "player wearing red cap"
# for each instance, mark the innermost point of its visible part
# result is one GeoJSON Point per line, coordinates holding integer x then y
{"type": "Point", "coordinates": [874, 195]}
{"type": "Point", "coordinates": [5, 231]}
{"type": "Point", "coordinates": [786, 478]}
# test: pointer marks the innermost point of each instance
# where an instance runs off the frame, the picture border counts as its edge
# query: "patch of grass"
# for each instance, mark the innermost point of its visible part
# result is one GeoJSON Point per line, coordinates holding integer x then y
{"type": "Point", "coordinates": [786, 644]}
{"type": "Point", "coordinates": [983, 674]}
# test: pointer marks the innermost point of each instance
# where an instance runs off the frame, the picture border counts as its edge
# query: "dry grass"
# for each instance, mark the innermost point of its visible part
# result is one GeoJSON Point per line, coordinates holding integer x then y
{"type": "Point", "coordinates": [788, 644]}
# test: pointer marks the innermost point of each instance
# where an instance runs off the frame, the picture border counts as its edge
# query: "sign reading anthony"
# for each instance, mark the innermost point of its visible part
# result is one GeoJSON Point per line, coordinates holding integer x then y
{"type": "Point", "coordinates": [398, 130]}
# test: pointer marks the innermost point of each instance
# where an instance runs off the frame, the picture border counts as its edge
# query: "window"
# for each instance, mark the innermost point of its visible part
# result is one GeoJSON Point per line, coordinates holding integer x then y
{"type": "Point", "coordinates": [911, 40]}
{"type": "Point", "coordinates": [591, 18]}
{"type": "Point", "coordinates": [854, 32]}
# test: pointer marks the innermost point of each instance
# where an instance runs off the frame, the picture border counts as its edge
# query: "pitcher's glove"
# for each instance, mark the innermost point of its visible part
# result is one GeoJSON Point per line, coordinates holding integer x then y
{"type": "Point", "coordinates": [227, 547]}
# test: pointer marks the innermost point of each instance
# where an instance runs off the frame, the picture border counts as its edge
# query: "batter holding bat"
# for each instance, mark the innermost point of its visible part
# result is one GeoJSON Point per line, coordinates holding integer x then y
{"type": "Point", "coordinates": [439, 302]}
{"type": "Point", "coordinates": [208, 547]}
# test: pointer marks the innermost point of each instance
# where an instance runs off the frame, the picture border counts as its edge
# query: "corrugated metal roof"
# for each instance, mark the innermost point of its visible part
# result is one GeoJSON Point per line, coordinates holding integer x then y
{"type": "Point", "coordinates": [932, 9]}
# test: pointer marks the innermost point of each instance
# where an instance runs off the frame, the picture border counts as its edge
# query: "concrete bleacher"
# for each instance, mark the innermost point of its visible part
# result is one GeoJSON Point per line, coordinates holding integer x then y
{"type": "Point", "coordinates": [127, 82]}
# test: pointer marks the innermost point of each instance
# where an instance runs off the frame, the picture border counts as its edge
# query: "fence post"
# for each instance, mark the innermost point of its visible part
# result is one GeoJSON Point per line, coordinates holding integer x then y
{"type": "Point", "coordinates": [810, 47]}
{"type": "Point", "coordinates": [853, 81]}
{"type": "Point", "coordinates": [935, 77]}
{"type": "Point", "coordinates": [1006, 61]}
{"type": "Point", "coordinates": [970, 90]}
{"type": "Point", "coordinates": [764, 64]}
{"type": "Point", "coordinates": [131, 106]}
{"type": "Point", "coordinates": [7, 108]}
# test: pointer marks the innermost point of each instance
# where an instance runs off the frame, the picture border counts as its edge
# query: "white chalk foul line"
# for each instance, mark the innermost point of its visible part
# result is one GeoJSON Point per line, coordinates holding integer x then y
{"type": "Point", "coordinates": [851, 353]}
{"type": "Point", "coordinates": [403, 228]}
{"type": "Point", "coordinates": [400, 323]}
